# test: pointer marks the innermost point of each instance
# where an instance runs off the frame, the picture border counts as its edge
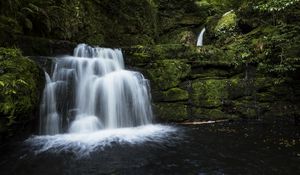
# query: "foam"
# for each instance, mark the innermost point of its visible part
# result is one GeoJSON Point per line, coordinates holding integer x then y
{"type": "Point", "coordinates": [83, 144]}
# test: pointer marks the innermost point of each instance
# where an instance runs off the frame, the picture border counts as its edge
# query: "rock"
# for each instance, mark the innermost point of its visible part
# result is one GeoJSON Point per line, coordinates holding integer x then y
{"type": "Point", "coordinates": [174, 95]}
{"type": "Point", "coordinates": [171, 111]}
{"type": "Point", "coordinates": [209, 93]}
{"type": "Point", "coordinates": [227, 25]}
{"type": "Point", "coordinates": [165, 74]}
{"type": "Point", "coordinates": [210, 114]}
{"type": "Point", "coordinates": [187, 38]}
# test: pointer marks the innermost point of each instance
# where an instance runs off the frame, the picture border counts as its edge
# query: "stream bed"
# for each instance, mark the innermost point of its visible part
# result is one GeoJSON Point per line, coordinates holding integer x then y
{"type": "Point", "coordinates": [220, 148]}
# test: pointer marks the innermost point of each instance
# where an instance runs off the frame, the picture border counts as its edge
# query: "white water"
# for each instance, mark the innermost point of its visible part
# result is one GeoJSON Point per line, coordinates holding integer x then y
{"type": "Point", "coordinates": [200, 38]}
{"type": "Point", "coordinates": [50, 122]}
{"type": "Point", "coordinates": [95, 85]}
{"type": "Point", "coordinates": [91, 100]}
{"type": "Point", "coordinates": [85, 143]}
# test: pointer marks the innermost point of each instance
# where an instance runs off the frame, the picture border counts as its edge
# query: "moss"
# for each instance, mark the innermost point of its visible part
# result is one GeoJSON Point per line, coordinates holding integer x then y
{"type": "Point", "coordinates": [20, 82]}
{"type": "Point", "coordinates": [210, 73]}
{"type": "Point", "coordinates": [209, 93]}
{"type": "Point", "coordinates": [171, 111]}
{"type": "Point", "coordinates": [171, 51]}
{"type": "Point", "coordinates": [227, 24]}
{"type": "Point", "coordinates": [265, 97]}
{"type": "Point", "coordinates": [210, 114]}
{"type": "Point", "coordinates": [206, 55]}
{"type": "Point", "coordinates": [175, 94]}
{"type": "Point", "coordinates": [264, 83]}
{"type": "Point", "coordinates": [246, 108]}
{"type": "Point", "coordinates": [165, 74]}
{"type": "Point", "coordinates": [176, 14]}
{"type": "Point", "coordinates": [179, 36]}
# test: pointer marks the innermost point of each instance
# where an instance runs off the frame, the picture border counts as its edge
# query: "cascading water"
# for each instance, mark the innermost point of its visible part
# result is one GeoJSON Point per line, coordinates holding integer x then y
{"type": "Point", "coordinates": [94, 84]}
{"type": "Point", "coordinates": [91, 101]}
{"type": "Point", "coordinates": [200, 37]}
{"type": "Point", "coordinates": [49, 124]}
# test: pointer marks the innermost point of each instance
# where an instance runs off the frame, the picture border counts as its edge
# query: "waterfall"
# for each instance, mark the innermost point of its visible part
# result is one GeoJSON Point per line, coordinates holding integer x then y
{"type": "Point", "coordinates": [50, 123]}
{"type": "Point", "coordinates": [92, 91]}
{"type": "Point", "coordinates": [200, 37]}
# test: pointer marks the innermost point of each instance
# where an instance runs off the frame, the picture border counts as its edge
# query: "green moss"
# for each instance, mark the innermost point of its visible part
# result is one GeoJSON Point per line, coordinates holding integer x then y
{"type": "Point", "coordinates": [210, 73]}
{"type": "Point", "coordinates": [20, 82]}
{"type": "Point", "coordinates": [246, 108]}
{"type": "Point", "coordinates": [209, 93]}
{"type": "Point", "coordinates": [171, 111]}
{"type": "Point", "coordinates": [210, 114]}
{"type": "Point", "coordinates": [264, 83]}
{"type": "Point", "coordinates": [197, 56]}
{"type": "Point", "coordinates": [170, 51]}
{"type": "Point", "coordinates": [265, 97]}
{"type": "Point", "coordinates": [165, 74]}
{"type": "Point", "coordinates": [227, 24]}
{"type": "Point", "coordinates": [180, 36]}
{"type": "Point", "coordinates": [175, 94]}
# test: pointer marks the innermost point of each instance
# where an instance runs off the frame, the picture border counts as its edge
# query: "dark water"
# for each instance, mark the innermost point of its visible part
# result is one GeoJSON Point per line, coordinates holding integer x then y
{"type": "Point", "coordinates": [223, 148]}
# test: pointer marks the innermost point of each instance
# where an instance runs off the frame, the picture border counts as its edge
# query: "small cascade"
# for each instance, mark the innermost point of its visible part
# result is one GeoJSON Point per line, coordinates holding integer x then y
{"type": "Point", "coordinates": [200, 38]}
{"type": "Point", "coordinates": [91, 91]}
{"type": "Point", "coordinates": [50, 123]}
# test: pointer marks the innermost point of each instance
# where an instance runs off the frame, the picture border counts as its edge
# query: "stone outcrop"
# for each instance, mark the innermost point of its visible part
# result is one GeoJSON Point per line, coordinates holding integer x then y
{"type": "Point", "coordinates": [190, 83]}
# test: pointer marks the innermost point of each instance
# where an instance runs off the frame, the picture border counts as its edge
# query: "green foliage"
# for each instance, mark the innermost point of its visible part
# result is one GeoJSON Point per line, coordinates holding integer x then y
{"type": "Point", "coordinates": [20, 80]}
{"type": "Point", "coordinates": [273, 49]}
{"type": "Point", "coordinates": [94, 22]}
{"type": "Point", "coordinates": [276, 5]}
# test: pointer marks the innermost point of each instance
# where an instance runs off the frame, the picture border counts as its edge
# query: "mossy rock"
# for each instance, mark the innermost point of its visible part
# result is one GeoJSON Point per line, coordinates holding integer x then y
{"type": "Point", "coordinates": [21, 82]}
{"type": "Point", "coordinates": [209, 93]}
{"type": "Point", "coordinates": [166, 74]}
{"type": "Point", "coordinates": [246, 108]}
{"type": "Point", "coordinates": [179, 36]}
{"type": "Point", "coordinates": [265, 97]}
{"type": "Point", "coordinates": [264, 83]}
{"type": "Point", "coordinates": [210, 114]}
{"type": "Point", "coordinates": [226, 28]}
{"type": "Point", "coordinates": [172, 51]}
{"type": "Point", "coordinates": [197, 56]}
{"type": "Point", "coordinates": [227, 24]}
{"type": "Point", "coordinates": [142, 55]}
{"type": "Point", "coordinates": [178, 13]}
{"type": "Point", "coordinates": [174, 112]}
{"type": "Point", "coordinates": [239, 87]}
{"type": "Point", "coordinates": [210, 73]}
{"type": "Point", "coordinates": [175, 94]}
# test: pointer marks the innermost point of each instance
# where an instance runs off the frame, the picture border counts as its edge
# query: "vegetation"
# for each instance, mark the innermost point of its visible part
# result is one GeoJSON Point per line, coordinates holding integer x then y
{"type": "Point", "coordinates": [20, 84]}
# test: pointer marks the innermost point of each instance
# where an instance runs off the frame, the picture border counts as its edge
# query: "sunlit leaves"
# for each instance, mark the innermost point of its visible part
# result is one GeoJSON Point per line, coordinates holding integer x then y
{"type": "Point", "coordinates": [276, 5]}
